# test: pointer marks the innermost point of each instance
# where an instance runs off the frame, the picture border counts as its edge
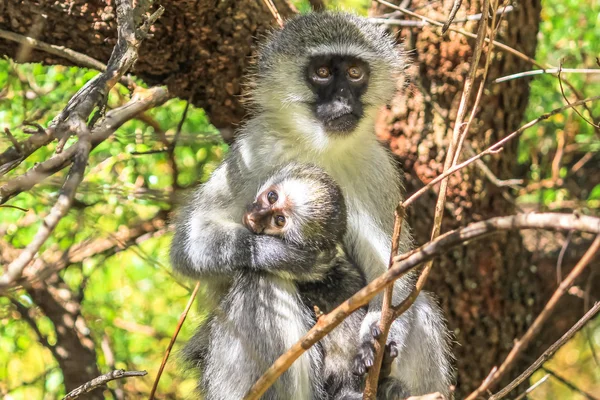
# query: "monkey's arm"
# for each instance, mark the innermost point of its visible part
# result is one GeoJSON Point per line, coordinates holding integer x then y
{"type": "Point", "coordinates": [209, 246]}
{"type": "Point", "coordinates": [210, 239]}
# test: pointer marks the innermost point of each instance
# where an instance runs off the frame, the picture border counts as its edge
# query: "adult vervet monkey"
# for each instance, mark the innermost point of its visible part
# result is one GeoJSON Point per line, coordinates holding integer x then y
{"type": "Point", "coordinates": [319, 84]}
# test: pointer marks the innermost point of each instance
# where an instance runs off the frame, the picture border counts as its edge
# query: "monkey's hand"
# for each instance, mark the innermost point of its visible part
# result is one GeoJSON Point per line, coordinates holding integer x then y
{"type": "Point", "coordinates": [366, 355]}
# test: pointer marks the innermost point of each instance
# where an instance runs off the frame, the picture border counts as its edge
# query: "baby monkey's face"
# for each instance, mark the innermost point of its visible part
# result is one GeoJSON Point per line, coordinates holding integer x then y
{"type": "Point", "coordinates": [269, 213]}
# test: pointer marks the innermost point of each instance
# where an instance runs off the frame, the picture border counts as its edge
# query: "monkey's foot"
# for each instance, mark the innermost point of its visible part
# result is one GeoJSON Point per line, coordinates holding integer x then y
{"type": "Point", "coordinates": [366, 355]}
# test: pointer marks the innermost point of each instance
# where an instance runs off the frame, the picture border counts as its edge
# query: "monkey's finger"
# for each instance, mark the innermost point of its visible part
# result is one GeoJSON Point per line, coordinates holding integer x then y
{"type": "Point", "coordinates": [376, 331]}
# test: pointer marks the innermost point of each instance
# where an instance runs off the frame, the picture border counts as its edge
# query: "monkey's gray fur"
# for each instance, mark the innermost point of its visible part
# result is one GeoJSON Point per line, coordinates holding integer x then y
{"type": "Point", "coordinates": [210, 241]}
{"type": "Point", "coordinates": [263, 313]}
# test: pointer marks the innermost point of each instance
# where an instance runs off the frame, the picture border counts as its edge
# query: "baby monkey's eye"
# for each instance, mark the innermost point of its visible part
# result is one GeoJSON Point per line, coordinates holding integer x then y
{"type": "Point", "coordinates": [280, 221]}
{"type": "Point", "coordinates": [355, 72]}
{"type": "Point", "coordinates": [323, 72]}
{"type": "Point", "coordinates": [272, 197]}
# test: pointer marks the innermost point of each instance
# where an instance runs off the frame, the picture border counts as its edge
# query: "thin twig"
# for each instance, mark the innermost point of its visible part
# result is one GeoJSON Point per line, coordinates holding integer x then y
{"type": "Point", "coordinates": [522, 344]}
{"type": "Point", "coordinates": [60, 51]}
{"type": "Point", "coordinates": [403, 264]}
{"type": "Point", "coordinates": [173, 338]}
{"type": "Point", "coordinates": [15, 207]}
{"type": "Point", "coordinates": [547, 71]}
{"type": "Point", "coordinates": [548, 353]}
{"type": "Point", "coordinates": [274, 12]}
{"type": "Point", "coordinates": [387, 312]}
{"type": "Point", "coordinates": [533, 387]}
{"type": "Point", "coordinates": [562, 91]}
{"type": "Point", "coordinates": [455, 7]}
{"type": "Point", "coordinates": [100, 381]}
{"type": "Point", "coordinates": [561, 256]}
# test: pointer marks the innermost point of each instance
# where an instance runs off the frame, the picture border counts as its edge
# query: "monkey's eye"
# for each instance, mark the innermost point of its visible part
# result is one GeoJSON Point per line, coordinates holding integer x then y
{"type": "Point", "coordinates": [280, 221]}
{"type": "Point", "coordinates": [355, 72]}
{"type": "Point", "coordinates": [323, 72]}
{"type": "Point", "coordinates": [272, 197]}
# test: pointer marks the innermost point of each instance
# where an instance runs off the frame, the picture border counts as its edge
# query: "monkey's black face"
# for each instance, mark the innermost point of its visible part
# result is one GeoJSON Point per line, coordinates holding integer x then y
{"type": "Point", "coordinates": [339, 83]}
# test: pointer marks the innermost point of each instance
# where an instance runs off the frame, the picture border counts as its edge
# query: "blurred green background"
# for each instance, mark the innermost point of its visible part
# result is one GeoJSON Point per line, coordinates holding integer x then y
{"type": "Point", "coordinates": [135, 285]}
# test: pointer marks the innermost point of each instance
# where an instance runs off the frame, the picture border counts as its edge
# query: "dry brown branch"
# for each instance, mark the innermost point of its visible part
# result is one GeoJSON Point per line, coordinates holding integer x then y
{"type": "Point", "coordinates": [100, 381]}
{"type": "Point", "coordinates": [548, 353]}
{"type": "Point", "coordinates": [522, 344]}
{"type": "Point", "coordinates": [387, 312]}
{"type": "Point", "coordinates": [455, 7]}
{"type": "Point", "coordinates": [408, 262]}
{"type": "Point", "coordinates": [274, 12]}
{"type": "Point", "coordinates": [72, 120]}
{"type": "Point", "coordinates": [173, 338]}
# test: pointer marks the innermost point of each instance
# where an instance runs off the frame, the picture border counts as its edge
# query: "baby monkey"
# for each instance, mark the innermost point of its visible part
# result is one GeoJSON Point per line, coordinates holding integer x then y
{"type": "Point", "coordinates": [265, 311]}
{"type": "Point", "coordinates": [304, 207]}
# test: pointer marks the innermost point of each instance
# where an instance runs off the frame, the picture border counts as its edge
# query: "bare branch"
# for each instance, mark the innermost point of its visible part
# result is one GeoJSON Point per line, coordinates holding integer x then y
{"type": "Point", "coordinates": [60, 209]}
{"type": "Point", "coordinates": [102, 380]}
{"type": "Point", "coordinates": [60, 51]}
{"type": "Point", "coordinates": [274, 12]}
{"type": "Point", "coordinates": [455, 7]}
{"type": "Point", "coordinates": [408, 262]}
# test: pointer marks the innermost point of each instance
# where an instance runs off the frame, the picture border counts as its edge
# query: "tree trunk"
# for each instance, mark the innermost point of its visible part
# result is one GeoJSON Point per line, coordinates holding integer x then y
{"type": "Point", "coordinates": [490, 290]}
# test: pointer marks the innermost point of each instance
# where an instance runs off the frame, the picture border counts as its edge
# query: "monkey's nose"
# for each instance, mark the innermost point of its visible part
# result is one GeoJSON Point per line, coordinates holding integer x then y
{"type": "Point", "coordinates": [252, 224]}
